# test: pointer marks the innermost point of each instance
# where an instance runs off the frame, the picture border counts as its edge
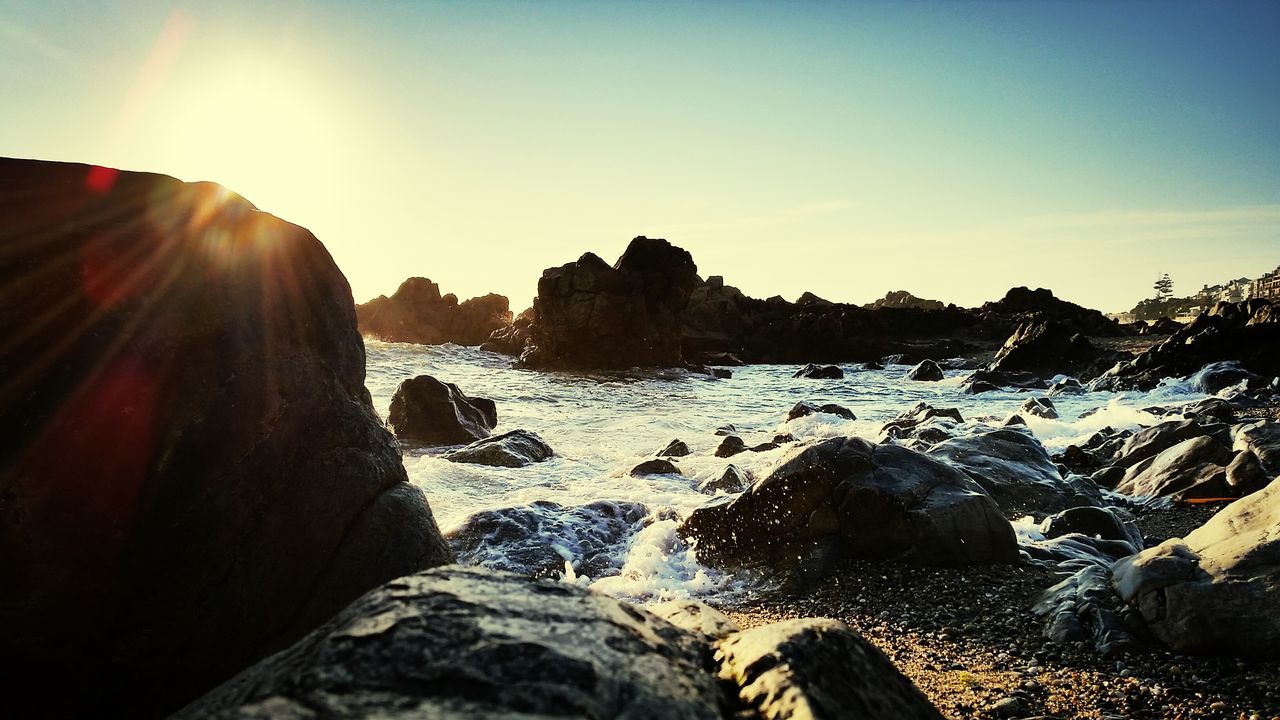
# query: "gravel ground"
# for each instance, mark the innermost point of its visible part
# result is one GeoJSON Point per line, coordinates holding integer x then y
{"type": "Point", "coordinates": [968, 639]}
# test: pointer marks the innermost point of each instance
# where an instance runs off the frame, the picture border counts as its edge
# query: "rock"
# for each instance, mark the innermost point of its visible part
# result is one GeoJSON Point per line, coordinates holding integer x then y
{"type": "Point", "coordinates": [979, 386]}
{"type": "Point", "coordinates": [1149, 442]}
{"type": "Point", "coordinates": [926, 371]}
{"type": "Point", "coordinates": [723, 359]}
{"type": "Point", "coordinates": [1214, 592]}
{"type": "Point", "coordinates": [417, 313]}
{"type": "Point", "coordinates": [511, 339]}
{"type": "Point", "coordinates": [855, 499]}
{"type": "Point", "coordinates": [1084, 608]}
{"type": "Point", "coordinates": [922, 419]}
{"type": "Point", "coordinates": [732, 480]}
{"type": "Point", "coordinates": [510, 449]}
{"type": "Point", "coordinates": [1046, 348]}
{"type": "Point", "coordinates": [655, 467]}
{"type": "Point", "coordinates": [1039, 407]}
{"type": "Point", "coordinates": [872, 365]}
{"type": "Point", "coordinates": [1021, 304]}
{"type": "Point", "coordinates": [819, 372]}
{"type": "Point", "coordinates": [1095, 522]}
{"type": "Point", "coordinates": [1262, 438]}
{"type": "Point", "coordinates": [1006, 707]}
{"type": "Point", "coordinates": [1016, 471]}
{"type": "Point", "coordinates": [1246, 475]}
{"type": "Point", "coordinates": [816, 668]}
{"type": "Point", "coordinates": [804, 408]}
{"type": "Point", "coordinates": [696, 616]}
{"type": "Point", "coordinates": [467, 642]}
{"type": "Point", "coordinates": [1004, 379]}
{"type": "Point", "coordinates": [1210, 409]}
{"type": "Point", "coordinates": [726, 430]}
{"type": "Point", "coordinates": [588, 315]}
{"type": "Point", "coordinates": [730, 446]}
{"type": "Point", "coordinates": [1014, 421]}
{"type": "Point", "coordinates": [431, 412]}
{"type": "Point", "coordinates": [675, 448]}
{"type": "Point", "coordinates": [193, 474]}
{"type": "Point", "coordinates": [720, 373]}
{"type": "Point", "coordinates": [1067, 386]}
{"type": "Point", "coordinates": [536, 540]}
{"type": "Point", "coordinates": [1216, 377]}
{"type": "Point", "coordinates": [902, 299]}
{"type": "Point", "coordinates": [1192, 469]}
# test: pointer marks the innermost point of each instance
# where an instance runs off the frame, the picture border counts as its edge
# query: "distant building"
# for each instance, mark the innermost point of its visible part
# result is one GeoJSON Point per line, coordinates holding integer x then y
{"type": "Point", "coordinates": [1233, 291]}
{"type": "Point", "coordinates": [1268, 286]}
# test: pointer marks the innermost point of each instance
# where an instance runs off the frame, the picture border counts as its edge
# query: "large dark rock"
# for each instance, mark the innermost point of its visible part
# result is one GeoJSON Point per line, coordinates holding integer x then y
{"type": "Point", "coordinates": [510, 449]}
{"type": "Point", "coordinates": [805, 408]}
{"type": "Point", "coordinates": [1192, 469]}
{"type": "Point", "coordinates": [819, 372]}
{"type": "Point", "coordinates": [1216, 591]}
{"type": "Point", "coordinates": [1014, 468]}
{"type": "Point", "coordinates": [1046, 348]}
{"type": "Point", "coordinates": [193, 474]}
{"type": "Point", "coordinates": [536, 540]}
{"type": "Point", "coordinates": [591, 316]}
{"type": "Point", "coordinates": [1020, 305]}
{"type": "Point", "coordinates": [851, 498]}
{"type": "Point", "coordinates": [816, 668]}
{"type": "Point", "coordinates": [427, 411]}
{"type": "Point", "coordinates": [926, 371]}
{"type": "Point", "coordinates": [469, 643]}
{"type": "Point", "coordinates": [1246, 333]}
{"type": "Point", "coordinates": [417, 313]}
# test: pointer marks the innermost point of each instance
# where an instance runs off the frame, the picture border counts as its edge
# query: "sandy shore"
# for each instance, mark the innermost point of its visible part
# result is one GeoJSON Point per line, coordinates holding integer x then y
{"type": "Point", "coordinates": [968, 639]}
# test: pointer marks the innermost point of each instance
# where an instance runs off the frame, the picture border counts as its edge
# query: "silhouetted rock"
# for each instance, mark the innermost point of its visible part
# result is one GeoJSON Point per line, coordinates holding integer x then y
{"type": "Point", "coordinates": [192, 472]}
{"type": "Point", "coordinates": [588, 315]}
{"type": "Point", "coordinates": [805, 408]}
{"type": "Point", "coordinates": [819, 372]}
{"type": "Point", "coordinates": [425, 410]}
{"type": "Point", "coordinates": [417, 313]}
{"type": "Point", "coordinates": [926, 371]}
{"type": "Point", "coordinates": [510, 449]}
{"type": "Point", "coordinates": [511, 339]}
{"type": "Point", "coordinates": [730, 446]}
{"type": "Point", "coordinates": [1046, 348]}
{"type": "Point", "coordinates": [656, 466]}
{"type": "Point", "coordinates": [903, 299]}
{"type": "Point", "coordinates": [675, 448]}
{"type": "Point", "coordinates": [1021, 305]}
{"type": "Point", "coordinates": [845, 497]}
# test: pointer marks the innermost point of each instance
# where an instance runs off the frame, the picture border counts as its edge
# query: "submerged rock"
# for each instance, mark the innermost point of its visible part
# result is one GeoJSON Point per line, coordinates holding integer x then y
{"type": "Point", "coordinates": [819, 372]}
{"type": "Point", "coordinates": [657, 466]}
{"type": "Point", "coordinates": [805, 408]}
{"type": "Point", "coordinates": [730, 446]}
{"type": "Point", "coordinates": [732, 480]}
{"type": "Point", "coordinates": [675, 448]}
{"type": "Point", "coordinates": [510, 449]}
{"type": "Point", "coordinates": [193, 474]}
{"type": "Point", "coordinates": [855, 499]}
{"type": "Point", "coordinates": [431, 412]}
{"type": "Point", "coordinates": [536, 540]}
{"type": "Point", "coordinates": [1216, 591]}
{"type": "Point", "coordinates": [926, 371]}
{"type": "Point", "coordinates": [1039, 407]}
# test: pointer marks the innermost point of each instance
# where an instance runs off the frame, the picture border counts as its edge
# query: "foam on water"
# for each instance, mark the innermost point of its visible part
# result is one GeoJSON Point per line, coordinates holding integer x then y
{"type": "Point", "coordinates": [603, 424]}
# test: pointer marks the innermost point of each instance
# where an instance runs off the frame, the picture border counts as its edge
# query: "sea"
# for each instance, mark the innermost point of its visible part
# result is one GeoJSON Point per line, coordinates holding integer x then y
{"type": "Point", "coordinates": [601, 425]}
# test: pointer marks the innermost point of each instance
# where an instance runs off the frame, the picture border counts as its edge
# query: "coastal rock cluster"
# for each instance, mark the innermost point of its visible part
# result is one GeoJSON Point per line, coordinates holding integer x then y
{"type": "Point", "coordinates": [418, 313]}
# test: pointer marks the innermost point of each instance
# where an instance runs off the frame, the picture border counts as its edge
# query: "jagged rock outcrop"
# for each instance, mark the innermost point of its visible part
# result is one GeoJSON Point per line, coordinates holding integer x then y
{"type": "Point", "coordinates": [193, 474]}
{"type": "Point", "coordinates": [1021, 305]}
{"type": "Point", "coordinates": [417, 313]}
{"type": "Point", "coordinates": [1247, 333]}
{"type": "Point", "coordinates": [510, 339]}
{"type": "Point", "coordinates": [805, 408]}
{"type": "Point", "coordinates": [1049, 347]}
{"type": "Point", "coordinates": [845, 497]}
{"type": "Point", "coordinates": [425, 410]}
{"type": "Point", "coordinates": [897, 299]}
{"type": "Point", "coordinates": [589, 315]}
{"type": "Point", "coordinates": [516, 448]}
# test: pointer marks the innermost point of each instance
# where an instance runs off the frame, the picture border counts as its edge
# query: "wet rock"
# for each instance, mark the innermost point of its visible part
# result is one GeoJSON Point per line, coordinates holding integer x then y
{"type": "Point", "coordinates": [657, 466]}
{"type": "Point", "coordinates": [1067, 386]}
{"type": "Point", "coordinates": [871, 365]}
{"type": "Point", "coordinates": [536, 540]}
{"type": "Point", "coordinates": [1194, 468]}
{"type": "Point", "coordinates": [1039, 407]}
{"type": "Point", "coordinates": [816, 668]}
{"type": "Point", "coordinates": [926, 371]}
{"type": "Point", "coordinates": [1084, 608]}
{"type": "Point", "coordinates": [1016, 471]}
{"type": "Point", "coordinates": [1004, 379]}
{"type": "Point", "coordinates": [726, 430]}
{"type": "Point", "coordinates": [1078, 460]}
{"type": "Point", "coordinates": [588, 315]}
{"type": "Point", "coordinates": [467, 642]}
{"type": "Point", "coordinates": [1046, 348]}
{"type": "Point", "coordinates": [1245, 474]}
{"type": "Point", "coordinates": [193, 474]}
{"type": "Point", "coordinates": [1216, 377]}
{"type": "Point", "coordinates": [730, 446]}
{"type": "Point", "coordinates": [732, 480]}
{"type": "Point", "coordinates": [923, 420]}
{"type": "Point", "coordinates": [1149, 442]}
{"type": "Point", "coordinates": [1209, 409]}
{"type": "Point", "coordinates": [1014, 421]}
{"type": "Point", "coordinates": [417, 313]}
{"type": "Point", "coordinates": [1097, 522]}
{"type": "Point", "coordinates": [764, 447]}
{"type": "Point", "coordinates": [696, 616]}
{"type": "Point", "coordinates": [805, 408]}
{"type": "Point", "coordinates": [511, 339]}
{"type": "Point", "coordinates": [819, 372]}
{"type": "Point", "coordinates": [855, 499]}
{"type": "Point", "coordinates": [1215, 591]}
{"type": "Point", "coordinates": [510, 449]}
{"type": "Point", "coordinates": [425, 410]}
{"type": "Point", "coordinates": [1262, 438]}
{"type": "Point", "coordinates": [675, 448]}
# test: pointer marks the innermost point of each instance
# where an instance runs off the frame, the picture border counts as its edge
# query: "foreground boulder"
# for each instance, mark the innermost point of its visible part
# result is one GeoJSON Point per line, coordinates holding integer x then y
{"type": "Point", "coordinates": [588, 315]}
{"type": "Point", "coordinates": [417, 313]}
{"type": "Point", "coordinates": [1193, 469]}
{"type": "Point", "coordinates": [431, 412]}
{"type": "Point", "coordinates": [193, 473]}
{"type": "Point", "coordinates": [845, 497]}
{"type": "Point", "coordinates": [510, 449]}
{"type": "Point", "coordinates": [1215, 591]}
{"type": "Point", "coordinates": [1016, 470]}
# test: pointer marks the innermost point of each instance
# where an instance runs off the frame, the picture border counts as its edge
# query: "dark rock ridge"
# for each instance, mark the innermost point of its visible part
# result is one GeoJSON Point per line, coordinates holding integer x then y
{"type": "Point", "coordinates": [425, 410]}
{"type": "Point", "coordinates": [417, 313]}
{"type": "Point", "coordinates": [589, 315]}
{"type": "Point", "coordinates": [1215, 591]}
{"type": "Point", "coordinates": [1247, 333]}
{"type": "Point", "coordinates": [845, 497]}
{"type": "Point", "coordinates": [1049, 347]}
{"type": "Point", "coordinates": [510, 449]}
{"type": "Point", "coordinates": [465, 642]}
{"type": "Point", "coordinates": [1014, 468]}
{"type": "Point", "coordinates": [1021, 305]}
{"type": "Point", "coordinates": [902, 299]}
{"type": "Point", "coordinates": [193, 474]}
{"type": "Point", "coordinates": [819, 372]}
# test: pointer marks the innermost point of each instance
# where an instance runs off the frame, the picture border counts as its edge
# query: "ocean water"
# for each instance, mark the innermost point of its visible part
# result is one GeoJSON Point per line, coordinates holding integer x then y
{"type": "Point", "coordinates": [602, 425]}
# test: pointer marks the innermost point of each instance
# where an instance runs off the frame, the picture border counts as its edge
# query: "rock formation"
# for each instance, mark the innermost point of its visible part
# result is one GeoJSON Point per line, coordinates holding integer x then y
{"type": "Point", "coordinates": [417, 313]}
{"type": "Point", "coordinates": [425, 410]}
{"type": "Point", "coordinates": [193, 473]}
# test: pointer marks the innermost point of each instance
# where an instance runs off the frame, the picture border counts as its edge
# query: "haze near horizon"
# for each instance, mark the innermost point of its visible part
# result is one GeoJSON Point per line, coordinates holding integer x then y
{"type": "Point", "coordinates": [950, 149]}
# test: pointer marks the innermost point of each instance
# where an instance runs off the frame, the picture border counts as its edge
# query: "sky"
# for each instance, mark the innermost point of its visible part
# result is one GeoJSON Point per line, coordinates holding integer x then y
{"type": "Point", "coordinates": [953, 149]}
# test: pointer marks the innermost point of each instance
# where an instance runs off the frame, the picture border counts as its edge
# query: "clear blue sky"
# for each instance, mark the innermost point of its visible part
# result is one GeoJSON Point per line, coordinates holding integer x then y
{"type": "Point", "coordinates": [952, 149]}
